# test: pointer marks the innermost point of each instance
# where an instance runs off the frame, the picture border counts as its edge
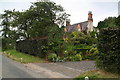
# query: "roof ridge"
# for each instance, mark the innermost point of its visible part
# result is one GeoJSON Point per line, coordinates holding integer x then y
{"type": "Point", "coordinates": [79, 23]}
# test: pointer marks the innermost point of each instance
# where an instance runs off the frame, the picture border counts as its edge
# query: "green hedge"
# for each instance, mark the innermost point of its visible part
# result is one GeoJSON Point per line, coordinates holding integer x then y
{"type": "Point", "coordinates": [32, 47]}
{"type": "Point", "coordinates": [109, 50]}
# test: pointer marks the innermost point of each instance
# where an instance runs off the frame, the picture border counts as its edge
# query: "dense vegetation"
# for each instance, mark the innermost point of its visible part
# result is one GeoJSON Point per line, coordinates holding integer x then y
{"type": "Point", "coordinates": [37, 32]}
{"type": "Point", "coordinates": [32, 47]}
{"type": "Point", "coordinates": [109, 49]}
{"type": "Point", "coordinates": [42, 19]}
{"type": "Point", "coordinates": [109, 22]}
{"type": "Point", "coordinates": [108, 44]}
{"type": "Point", "coordinates": [75, 47]}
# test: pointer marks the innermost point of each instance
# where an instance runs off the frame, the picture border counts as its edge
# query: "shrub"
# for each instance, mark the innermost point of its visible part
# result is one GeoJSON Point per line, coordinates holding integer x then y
{"type": "Point", "coordinates": [78, 57]}
{"type": "Point", "coordinates": [52, 57]}
{"type": "Point", "coordinates": [93, 51]}
{"type": "Point", "coordinates": [109, 50]}
{"type": "Point", "coordinates": [91, 54]}
{"type": "Point", "coordinates": [32, 47]}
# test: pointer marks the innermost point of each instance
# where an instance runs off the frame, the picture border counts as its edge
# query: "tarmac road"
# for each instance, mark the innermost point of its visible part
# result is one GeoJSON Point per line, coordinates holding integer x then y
{"type": "Point", "coordinates": [12, 69]}
{"type": "Point", "coordinates": [69, 70]}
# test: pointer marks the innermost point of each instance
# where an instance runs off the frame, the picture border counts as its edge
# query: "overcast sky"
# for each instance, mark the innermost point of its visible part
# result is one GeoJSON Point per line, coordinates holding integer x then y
{"type": "Point", "coordinates": [78, 9]}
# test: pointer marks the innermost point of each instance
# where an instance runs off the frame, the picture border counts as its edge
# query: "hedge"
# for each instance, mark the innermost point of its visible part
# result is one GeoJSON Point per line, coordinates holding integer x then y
{"type": "Point", "coordinates": [109, 50]}
{"type": "Point", "coordinates": [32, 47]}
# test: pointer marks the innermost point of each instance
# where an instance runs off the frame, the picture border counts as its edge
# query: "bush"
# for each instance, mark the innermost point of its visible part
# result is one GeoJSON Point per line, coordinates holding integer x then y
{"type": "Point", "coordinates": [91, 54]}
{"type": "Point", "coordinates": [109, 50]}
{"type": "Point", "coordinates": [6, 44]}
{"type": "Point", "coordinates": [32, 47]}
{"type": "Point", "coordinates": [76, 57]}
{"type": "Point", "coordinates": [93, 51]}
{"type": "Point", "coordinates": [52, 57]}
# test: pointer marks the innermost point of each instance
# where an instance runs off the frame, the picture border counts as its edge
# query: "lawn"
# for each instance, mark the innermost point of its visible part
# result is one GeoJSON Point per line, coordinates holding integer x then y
{"type": "Point", "coordinates": [0, 49]}
{"type": "Point", "coordinates": [22, 57]}
{"type": "Point", "coordinates": [95, 74]}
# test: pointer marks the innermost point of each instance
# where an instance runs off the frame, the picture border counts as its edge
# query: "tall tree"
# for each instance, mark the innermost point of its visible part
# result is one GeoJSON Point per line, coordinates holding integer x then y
{"type": "Point", "coordinates": [5, 24]}
{"type": "Point", "coordinates": [9, 30]}
{"type": "Point", "coordinates": [108, 22]}
{"type": "Point", "coordinates": [41, 17]}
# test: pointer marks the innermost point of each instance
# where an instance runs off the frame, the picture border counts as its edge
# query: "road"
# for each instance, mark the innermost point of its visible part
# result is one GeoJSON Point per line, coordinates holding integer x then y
{"type": "Point", "coordinates": [12, 69]}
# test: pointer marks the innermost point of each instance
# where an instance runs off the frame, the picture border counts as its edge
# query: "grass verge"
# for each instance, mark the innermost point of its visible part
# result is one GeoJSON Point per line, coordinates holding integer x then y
{"type": "Point", "coordinates": [97, 74]}
{"type": "Point", "coordinates": [21, 57]}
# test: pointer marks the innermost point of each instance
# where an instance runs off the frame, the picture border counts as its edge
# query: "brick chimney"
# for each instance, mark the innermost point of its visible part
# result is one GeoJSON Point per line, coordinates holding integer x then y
{"type": "Point", "coordinates": [67, 22]}
{"type": "Point", "coordinates": [90, 16]}
{"type": "Point", "coordinates": [90, 22]}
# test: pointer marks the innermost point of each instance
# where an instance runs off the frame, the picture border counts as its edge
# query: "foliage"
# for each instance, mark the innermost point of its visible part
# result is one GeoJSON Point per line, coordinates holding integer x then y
{"type": "Point", "coordinates": [70, 49]}
{"type": "Point", "coordinates": [42, 19]}
{"type": "Point", "coordinates": [117, 22]}
{"type": "Point", "coordinates": [83, 46]}
{"type": "Point", "coordinates": [81, 38]}
{"type": "Point", "coordinates": [31, 47]}
{"type": "Point", "coordinates": [93, 34]}
{"type": "Point", "coordinates": [78, 42]}
{"type": "Point", "coordinates": [97, 74]}
{"type": "Point", "coordinates": [92, 54]}
{"type": "Point", "coordinates": [55, 41]}
{"type": "Point", "coordinates": [109, 49]}
{"type": "Point", "coordinates": [76, 57]}
{"type": "Point", "coordinates": [93, 51]}
{"type": "Point", "coordinates": [55, 58]}
{"type": "Point", "coordinates": [52, 57]}
{"type": "Point", "coordinates": [9, 35]}
{"type": "Point", "coordinates": [108, 22]}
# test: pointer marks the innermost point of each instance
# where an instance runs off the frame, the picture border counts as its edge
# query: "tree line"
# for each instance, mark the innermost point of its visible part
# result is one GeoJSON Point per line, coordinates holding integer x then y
{"type": "Point", "coordinates": [109, 22]}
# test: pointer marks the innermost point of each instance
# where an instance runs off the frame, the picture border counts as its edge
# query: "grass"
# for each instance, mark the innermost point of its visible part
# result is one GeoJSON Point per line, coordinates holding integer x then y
{"type": "Point", "coordinates": [97, 74]}
{"type": "Point", "coordinates": [0, 49]}
{"type": "Point", "coordinates": [21, 57]}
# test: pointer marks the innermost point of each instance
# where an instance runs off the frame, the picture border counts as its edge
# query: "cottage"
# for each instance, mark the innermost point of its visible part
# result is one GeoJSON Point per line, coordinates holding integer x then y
{"type": "Point", "coordinates": [85, 26]}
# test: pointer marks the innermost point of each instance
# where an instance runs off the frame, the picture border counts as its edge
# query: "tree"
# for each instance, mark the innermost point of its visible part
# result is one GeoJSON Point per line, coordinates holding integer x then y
{"type": "Point", "coordinates": [117, 22]}
{"type": "Point", "coordinates": [40, 18]}
{"type": "Point", "coordinates": [6, 28]}
{"type": "Point", "coordinates": [108, 22]}
{"type": "Point", "coordinates": [43, 18]}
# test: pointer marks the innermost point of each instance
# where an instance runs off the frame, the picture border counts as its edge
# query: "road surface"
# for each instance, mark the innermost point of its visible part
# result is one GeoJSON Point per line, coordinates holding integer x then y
{"type": "Point", "coordinates": [12, 69]}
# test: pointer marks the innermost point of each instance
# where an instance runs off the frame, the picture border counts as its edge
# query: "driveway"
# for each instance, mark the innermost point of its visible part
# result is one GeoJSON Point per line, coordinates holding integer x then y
{"type": "Point", "coordinates": [64, 69]}
{"type": "Point", "coordinates": [10, 69]}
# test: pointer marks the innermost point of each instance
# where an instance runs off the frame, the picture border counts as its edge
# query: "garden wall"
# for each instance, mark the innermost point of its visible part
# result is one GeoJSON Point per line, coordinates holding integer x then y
{"type": "Point", "coordinates": [109, 50]}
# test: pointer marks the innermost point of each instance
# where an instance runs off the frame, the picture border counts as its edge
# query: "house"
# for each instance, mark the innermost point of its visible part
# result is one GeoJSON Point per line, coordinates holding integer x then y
{"type": "Point", "coordinates": [85, 26]}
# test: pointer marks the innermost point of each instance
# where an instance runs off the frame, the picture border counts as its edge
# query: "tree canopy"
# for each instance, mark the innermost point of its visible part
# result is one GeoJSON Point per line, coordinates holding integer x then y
{"type": "Point", "coordinates": [118, 21]}
{"type": "Point", "coordinates": [109, 22]}
{"type": "Point", "coordinates": [43, 18]}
